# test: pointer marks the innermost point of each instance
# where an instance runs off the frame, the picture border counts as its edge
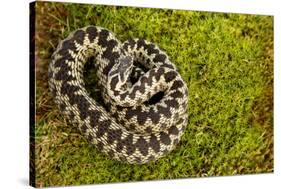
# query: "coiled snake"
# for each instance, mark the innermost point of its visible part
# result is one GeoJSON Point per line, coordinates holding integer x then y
{"type": "Point", "coordinates": [131, 127]}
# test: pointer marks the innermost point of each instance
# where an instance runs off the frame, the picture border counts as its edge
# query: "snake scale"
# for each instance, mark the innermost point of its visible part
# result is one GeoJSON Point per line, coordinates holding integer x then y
{"type": "Point", "coordinates": [145, 99]}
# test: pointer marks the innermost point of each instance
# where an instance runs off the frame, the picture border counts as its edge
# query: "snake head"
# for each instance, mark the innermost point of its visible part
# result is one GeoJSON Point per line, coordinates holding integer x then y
{"type": "Point", "coordinates": [122, 68]}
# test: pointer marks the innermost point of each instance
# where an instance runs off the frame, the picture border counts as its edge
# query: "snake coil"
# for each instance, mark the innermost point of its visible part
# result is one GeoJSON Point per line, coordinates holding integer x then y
{"type": "Point", "coordinates": [132, 127]}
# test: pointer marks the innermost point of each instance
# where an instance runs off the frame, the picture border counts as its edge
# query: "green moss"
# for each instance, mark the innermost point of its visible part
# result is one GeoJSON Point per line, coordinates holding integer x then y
{"type": "Point", "coordinates": [227, 63]}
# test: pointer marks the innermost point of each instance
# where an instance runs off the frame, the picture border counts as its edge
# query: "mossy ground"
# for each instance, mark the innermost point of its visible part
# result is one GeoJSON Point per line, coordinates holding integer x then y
{"type": "Point", "coordinates": [227, 63]}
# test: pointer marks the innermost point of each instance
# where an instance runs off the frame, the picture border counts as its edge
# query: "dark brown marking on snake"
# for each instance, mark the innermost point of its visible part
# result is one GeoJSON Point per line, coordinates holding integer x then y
{"type": "Point", "coordinates": [177, 84]}
{"type": "Point", "coordinates": [103, 128]}
{"type": "Point", "coordinates": [163, 110]}
{"type": "Point", "coordinates": [169, 76]}
{"type": "Point", "coordinates": [119, 108]}
{"type": "Point", "coordinates": [62, 106]}
{"type": "Point", "coordinates": [66, 45]}
{"type": "Point", "coordinates": [112, 57]}
{"type": "Point", "coordinates": [61, 63]}
{"type": "Point", "coordinates": [113, 135]}
{"type": "Point", "coordinates": [154, 116]}
{"type": "Point", "coordinates": [62, 60]}
{"type": "Point", "coordinates": [150, 77]}
{"type": "Point", "coordinates": [113, 82]}
{"type": "Point", "coordinates": [154, 143]}
{"type": "Point", "coordinates": [173, 130]}
{"type": "Point", "coordinates": [130, 149]}
{"type": "Point", "coordinates": [148, 61]}
{"type": "Point", "coordinates": [123, 96]}
{"type": "Point", "coordinates": [129, 43]}
{"type": "Point", "coordinates": [119, 146]}
{"type": "Point", "coordinates": [79, 36]}
{"type": "Point", "coordinates": [115, 93]}
{"type": "Point", "coordinates": [180, 121]}
{"type": "Point", "coordinates": [142, 145]}
{"type": "Point", "coordinates": [63, 74]}
{"type": "Point", "coordinates": [103, 35]}
{"type": "Point", "coordinates": [121, 122]}
{"type": "Point", "coordinates": [128, 141]}
{"type": "Point", "coordinates": [165, 139]}
{"type": "Point", "coordinates": [176, 94]}
{"type": "Point", "coordinates": [108, 53]}
{"type": "Point", "coordinates": [132, 127]}
{"type": "Point", "coordinates": [159, 72]}
{"type": "Point", "coordinates": [141, 116]}
{"type": "Point", "coordinates": [151, 49]}
{"type": "Point", "coordinates": [155, 74]}
{"type": "Point", "coordinates": [94, 117]}
{"type": "Point", "coordinates": [126, 46]}
{"type": "Point", "coordinates": [67, 89]}
{"type": "Point", "coordinates": [160, 58]}
{"type": "Point", "coordinates": [144, 80]}
{"type": "Point", "coordinates": [148, 130]}
{"type": "Point", "coordinates": [141, 88]}
{"type": "Point", "coordinates": [82, 104]}
{"type": "Point", "coordinates": [172, 103]}
{"type": "Point", "coordinates": [93, 33]}
{"type": "Point", "coordinates": [155, 98]}
{"type": "Point", "coordinates": [140, 43]}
